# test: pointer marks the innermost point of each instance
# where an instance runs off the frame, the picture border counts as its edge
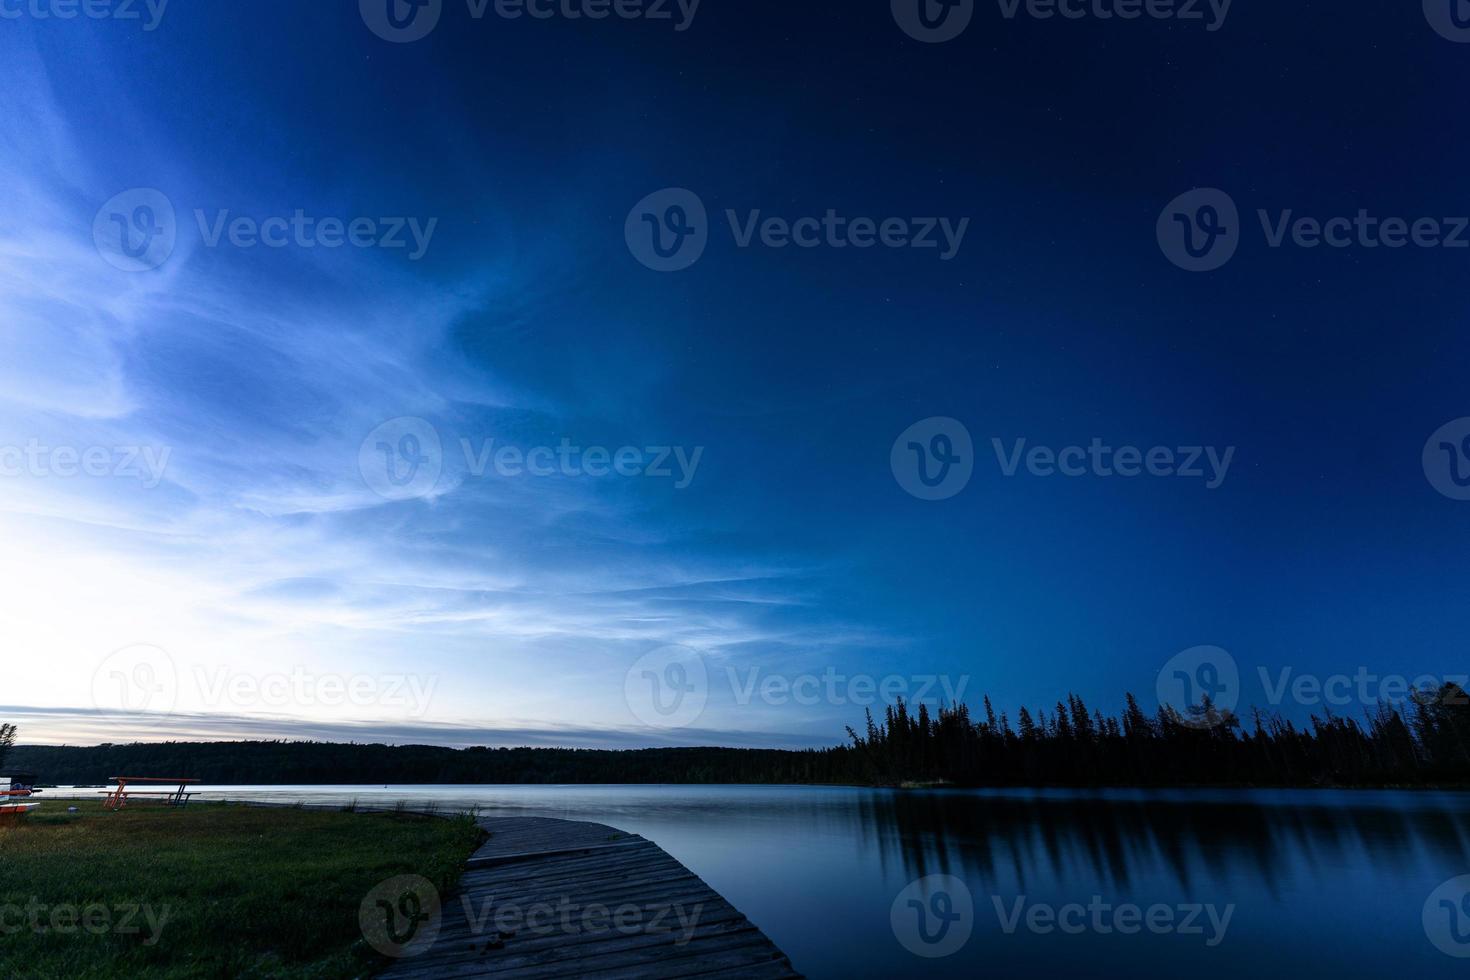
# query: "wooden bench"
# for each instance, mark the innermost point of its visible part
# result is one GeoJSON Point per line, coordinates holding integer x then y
{"type": "Point", "coordinates": [118, 798]}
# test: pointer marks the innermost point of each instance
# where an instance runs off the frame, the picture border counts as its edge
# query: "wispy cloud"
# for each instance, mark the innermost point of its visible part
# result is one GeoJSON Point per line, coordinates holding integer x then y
{"type": "Point", "coordinates": [252, 540]}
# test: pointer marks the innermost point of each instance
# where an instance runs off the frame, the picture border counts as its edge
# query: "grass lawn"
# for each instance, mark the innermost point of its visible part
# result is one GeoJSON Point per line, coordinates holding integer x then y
{"type": "Point", "coordinates": [207, 891]}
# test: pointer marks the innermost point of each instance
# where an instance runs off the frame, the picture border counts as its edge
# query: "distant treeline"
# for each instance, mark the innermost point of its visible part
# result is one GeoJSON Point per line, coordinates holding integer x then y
{"type": "Point", "coordinates": [1423, 742]}
{"type": "Point", "coordinates": [334, 763]}
{"type": "Point", "coordinates": [7, 740]}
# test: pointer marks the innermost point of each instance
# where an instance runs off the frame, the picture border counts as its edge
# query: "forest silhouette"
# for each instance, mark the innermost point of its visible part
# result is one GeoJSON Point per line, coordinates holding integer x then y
{"type": "Point", "coordinates": [1424, 741]}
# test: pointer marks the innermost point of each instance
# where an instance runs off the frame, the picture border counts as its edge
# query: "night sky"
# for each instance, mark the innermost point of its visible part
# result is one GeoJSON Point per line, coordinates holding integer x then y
{"type": "Point", "coordinates": [269, 547]}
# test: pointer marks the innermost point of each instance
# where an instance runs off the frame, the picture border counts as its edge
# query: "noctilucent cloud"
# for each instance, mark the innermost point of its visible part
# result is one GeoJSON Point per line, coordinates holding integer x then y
{"type": "Point", "coordinates": [362, 385]}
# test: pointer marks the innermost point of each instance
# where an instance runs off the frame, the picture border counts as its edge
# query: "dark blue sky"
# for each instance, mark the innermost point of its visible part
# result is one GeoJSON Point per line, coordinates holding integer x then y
{"type": "Point", "coordinates": [794, 549]}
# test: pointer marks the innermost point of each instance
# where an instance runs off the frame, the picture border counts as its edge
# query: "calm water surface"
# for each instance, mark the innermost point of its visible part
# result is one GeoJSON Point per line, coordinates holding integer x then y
{"type": "Point", "coordinates": [1316, 882]}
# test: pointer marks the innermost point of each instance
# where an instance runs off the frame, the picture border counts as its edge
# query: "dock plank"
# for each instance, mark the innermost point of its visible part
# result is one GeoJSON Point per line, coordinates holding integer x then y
{"type": "Point", "coordinates": [544, 899]}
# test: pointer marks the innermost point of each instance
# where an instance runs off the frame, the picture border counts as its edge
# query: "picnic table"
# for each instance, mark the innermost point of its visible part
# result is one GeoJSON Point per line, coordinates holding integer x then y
{"type": "Point", "coordinates": [118, 798]}
{"type": "Point", "coordinates": [15, 789]}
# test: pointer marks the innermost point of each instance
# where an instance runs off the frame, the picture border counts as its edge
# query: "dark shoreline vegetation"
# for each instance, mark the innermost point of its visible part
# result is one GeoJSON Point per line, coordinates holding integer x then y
{"type": "Point", "coordinates": [1424, 742]}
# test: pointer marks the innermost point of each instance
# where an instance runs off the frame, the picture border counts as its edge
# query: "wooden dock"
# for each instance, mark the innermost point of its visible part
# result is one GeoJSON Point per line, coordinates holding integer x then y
{"type": "Point", "coordinates": [559, 898]}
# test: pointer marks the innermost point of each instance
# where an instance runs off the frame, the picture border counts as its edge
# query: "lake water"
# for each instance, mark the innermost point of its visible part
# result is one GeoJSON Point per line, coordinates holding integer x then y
{"type": "Point", "coordinates": [1277, 883]}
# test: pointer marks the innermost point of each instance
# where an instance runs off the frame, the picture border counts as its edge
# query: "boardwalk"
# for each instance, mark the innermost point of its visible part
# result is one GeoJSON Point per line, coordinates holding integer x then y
{"type": "Point", "coordinates": [558, 898]}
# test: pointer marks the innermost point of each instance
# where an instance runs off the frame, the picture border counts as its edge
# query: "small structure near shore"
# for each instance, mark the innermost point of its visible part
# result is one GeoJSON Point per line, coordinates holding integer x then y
{"type": "Point", "coordinates": [178, 795]}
